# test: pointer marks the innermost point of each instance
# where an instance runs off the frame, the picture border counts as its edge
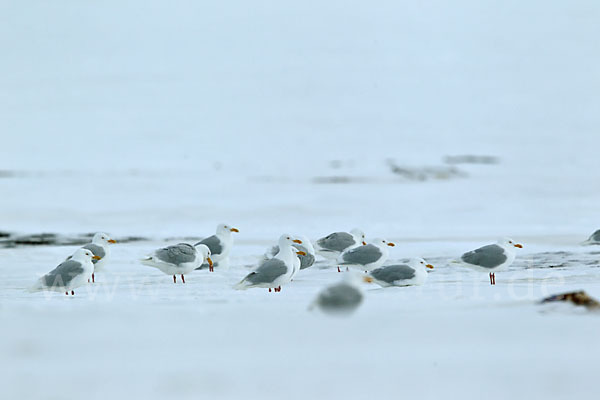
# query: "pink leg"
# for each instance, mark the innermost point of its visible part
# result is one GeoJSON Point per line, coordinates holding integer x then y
{"type": "Point", "coordinates": [72, 293]}
{"type": "Point", "coordinates": [269, 290]}
{"type": "Point", "coordinates": [339, 270]}
{"type": "Point", "coordinates": [182, 278]}
{"type": "Point", "coordinates": [93, 279]}
{"type": "Point", "coordinates": [174, 279]}
{"type": "Point", "coordinates": [494, 278]}
{"type": "Point", "coordinates": [67, 293]}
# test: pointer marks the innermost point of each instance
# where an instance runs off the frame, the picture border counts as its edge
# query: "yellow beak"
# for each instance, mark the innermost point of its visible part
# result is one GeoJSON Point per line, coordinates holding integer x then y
{"type": "Point", "coordinates": [210, 262]}
{"type": "Point", "coordinates": [429, 266]}
{"type": "Point", "coordinates": [364, 243]}
{"type": "Point", "coordinates": [112, 241]}
{"type": "Point", "coordinates": [519, 245]}
{"type": "Point", "coordinates": [391, 244]}
{"type": "Point", "coordinates": [234, 230]}
{"type": "Point", "coordinates": [96, 258]}
{"type": "Point", "coordinates": [297, 241]}
{"type": "Point", "coordinates": [368, 279]}
{"type": "Point", "coordinates": [301, 253]}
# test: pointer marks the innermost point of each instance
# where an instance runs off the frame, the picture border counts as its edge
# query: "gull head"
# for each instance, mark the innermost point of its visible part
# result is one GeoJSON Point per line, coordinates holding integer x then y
{"type": "Point", "coordinates": [102, 238]}
{"type": "Point", "coordinates": [418, 262]}
{"type": "Point", "coordinates": [382, 243]}
{"type": "Point", "coordinates": [205, 252]}
{"type": "Point", "coordinates": [84, 255]}
{"type": "Point", "coordinates": [225, 229]}
{"type": "Point", "coordinates": [358, 235]}
{"type": "Point", "coordinates": [508, 243]}
{"type": "Point", "coordinates": [305, 243]}
{"type": "Point", "coordinates": [287, 240]}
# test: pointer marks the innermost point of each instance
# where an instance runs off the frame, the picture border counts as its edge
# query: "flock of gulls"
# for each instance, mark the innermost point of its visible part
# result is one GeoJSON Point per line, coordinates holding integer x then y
{"type": "Point", "coordinates": [282, 262]}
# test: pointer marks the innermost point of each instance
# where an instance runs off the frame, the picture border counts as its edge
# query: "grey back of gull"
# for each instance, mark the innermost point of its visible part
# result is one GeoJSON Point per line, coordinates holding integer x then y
{"type": "Point", "coordinates": [213, 243]}
{"type": "Point", "coordinates": [177, 254]}
{"type": "Point", "coordinates": [267, 272]}
{"type": "Point", "coordinates": [489, 256]}
{"type": "Point", "coordinates": [337, 241]}
{"type": "Point", "coordinates": [393, 273]}
{"type": "Point", "coordinates": [63, 274]}
{"type": "Point", "coordinates": [362, 255]}
{"type": "Point", "coordinates": [340, 297]}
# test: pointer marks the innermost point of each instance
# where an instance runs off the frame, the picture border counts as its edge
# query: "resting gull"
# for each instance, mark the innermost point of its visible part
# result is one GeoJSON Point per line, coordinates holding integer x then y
{"type": "Point", "coordinates": [69, 275]}
{"type": "Point", "coordinates": [220, 245]}
{"type": "Point", "coordinates": [332, 245]}
{"type": "Point", "coordinates": [342, 298]}
{"type": "Point", "coordinates": [277, 271]}
{"type": "Point", "coordinates": [492, 257]}
{"type": "Point", "coordinates": [305, 261]}
{"type": "Point", "coordinates": [367, 257]}
{"type": "Point", "coordinates": [100, 247]}
{"type": "Point", "coordinates": [593, 239]}
{"type": "Point", "coordinates": [179, 259]}
{"type": "Point", "coordinates": [412, 273]}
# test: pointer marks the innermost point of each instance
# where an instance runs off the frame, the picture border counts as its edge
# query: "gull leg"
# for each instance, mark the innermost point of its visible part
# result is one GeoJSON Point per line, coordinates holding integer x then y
{"type": "Point", "coordinates": [339, 270]}
{"type": "Point", "coordinates": [72, 293]}
{"type": "Point", "coordinates": [494, 278]}
{"type": "Point", "coordinates": [269, 290]}
{"type": "Point", "coordinates": [174, 279]}
{"type": "Point", "coordinates": [66, 293]}
{"type": "Point", "coordinates": [211, 268]}
{"type": "Point", "coordinates": [93, 279]}
{"type": "Point", "coordinates": [182, 278]}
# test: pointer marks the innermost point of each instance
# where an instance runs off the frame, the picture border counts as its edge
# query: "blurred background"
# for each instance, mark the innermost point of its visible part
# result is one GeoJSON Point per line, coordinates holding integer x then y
{"type": "Point", "coordinates": [136, 116]}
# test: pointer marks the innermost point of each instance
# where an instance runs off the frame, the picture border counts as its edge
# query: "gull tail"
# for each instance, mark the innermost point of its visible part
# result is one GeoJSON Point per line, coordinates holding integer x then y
{"type": "Point", "coordinates": [243, 284]}
{"type": "Point", "coordinates": [36, 287]}
{"type": "Point", "coordinates": [149, 261]}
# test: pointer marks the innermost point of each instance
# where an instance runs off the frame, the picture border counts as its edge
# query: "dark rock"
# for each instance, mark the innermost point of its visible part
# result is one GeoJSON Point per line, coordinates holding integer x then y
{"type": "Point", "coordinates": [579, 298]}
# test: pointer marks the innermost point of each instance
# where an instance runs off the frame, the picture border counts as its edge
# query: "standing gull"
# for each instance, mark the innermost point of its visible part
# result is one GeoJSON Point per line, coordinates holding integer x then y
{"type": "Point", "coordinates": [342, 298]}
{"type": "Point", "coordinates": [412, 273]}
{"type": "Point", "coordinates": [332, 245]}
{"type": "Point", "coordinates": [179, 259]}
{"type": "Point", "coordinates": [366, 258]}
{"type": "Point", "coordinates": [492, 257]}
{"type": "Point", "coordinates": [593, 239]}
{"type": "Point", "coordinates": [277, 271]}
{"type": "Point", "coordinates": [99, 246]}
{"type": "Point", "coordinates": [69, 275]}
{"type": "Point", "coordinates": [220, 245]}
{"type": "Point", "coordinates": [305, 261]}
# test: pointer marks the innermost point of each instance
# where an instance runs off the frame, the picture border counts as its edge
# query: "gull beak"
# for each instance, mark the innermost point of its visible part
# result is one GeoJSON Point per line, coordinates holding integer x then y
{"type": "Point", "coordinates": [234, 230]}
{"type": "Point", "coordinates": [367, 279]}
{"type": "Point", "coordinates": [364, 243]}
{"type": "Point", "coordinates": [209, 261]}
{"type": "Point", "coordinates": [520, 246]}
{"type": "Point", "coordinates": [97, 258]}
{"type": "Point", "coordinates": [112, 241]}
{"type": "Point", "coordinates": [429, 266]}
{"type": "Point", "coordinates": [301, 253]}
{"type": "Point", "coordinates": [391, 244]}
{"type": "Point", "coordinates": [297, 241]}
